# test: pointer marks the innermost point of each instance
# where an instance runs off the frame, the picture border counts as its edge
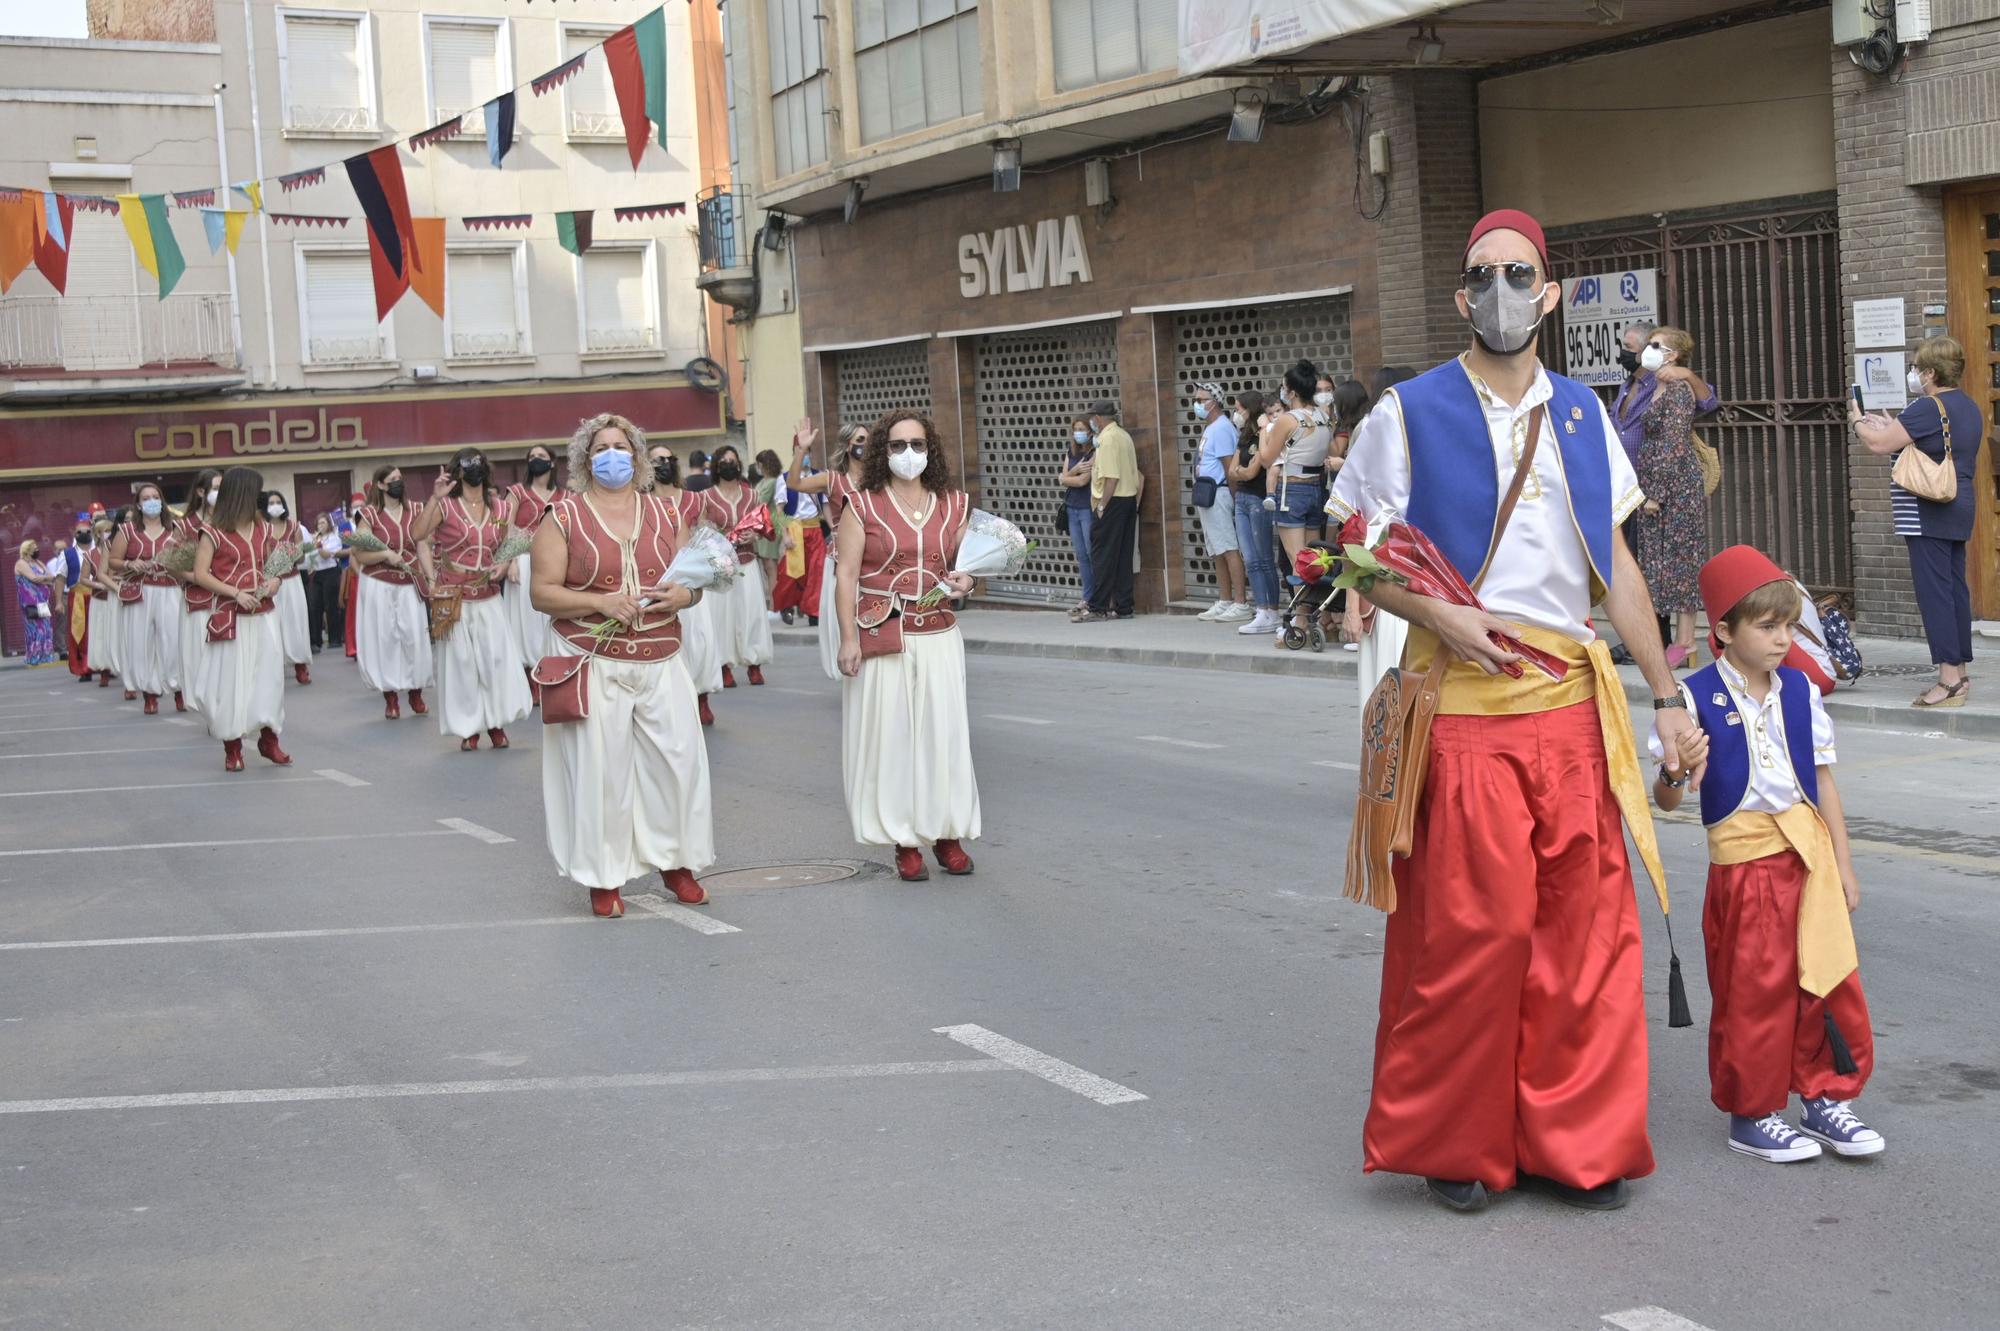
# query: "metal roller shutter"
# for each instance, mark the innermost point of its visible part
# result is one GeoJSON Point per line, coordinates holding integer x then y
{"type": "Point", "coordinates": [1031, 385]}
{"type": "Point", "coordinates": [876, 380]}
{"type": "Point", "coordinates": [1241, 348]}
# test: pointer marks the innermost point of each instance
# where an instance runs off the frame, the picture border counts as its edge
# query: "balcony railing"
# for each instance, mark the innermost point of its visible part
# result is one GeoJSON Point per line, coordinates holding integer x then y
{"type": "Point", "coordinates": [111, 333]}
{"type": "Point", "coordinates": [619, 338]}
{"type": "Point", "coordinates": [596, 125]}
{"type": "Point", "coordinates": [717, 215]}
{"type": "Point", "coordinates": [303, 119]}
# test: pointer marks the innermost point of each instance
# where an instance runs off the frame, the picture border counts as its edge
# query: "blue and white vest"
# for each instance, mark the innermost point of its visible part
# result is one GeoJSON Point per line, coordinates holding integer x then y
{"type": "Point", "coordinates": [1455, 486]}
{"type": "Point", "coordinates": [1726, 784]}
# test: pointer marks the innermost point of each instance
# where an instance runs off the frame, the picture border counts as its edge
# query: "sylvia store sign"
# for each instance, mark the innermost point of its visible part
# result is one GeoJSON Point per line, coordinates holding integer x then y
{"type": "Point", "coordinates": [1048, 253]}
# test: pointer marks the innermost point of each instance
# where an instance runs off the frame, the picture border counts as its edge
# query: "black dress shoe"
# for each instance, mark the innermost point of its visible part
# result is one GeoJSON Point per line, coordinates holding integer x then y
{"type": "Point", "coordinates": [1604, 1197]}
{"type": "Point", "coordinates": [1458, 1196]}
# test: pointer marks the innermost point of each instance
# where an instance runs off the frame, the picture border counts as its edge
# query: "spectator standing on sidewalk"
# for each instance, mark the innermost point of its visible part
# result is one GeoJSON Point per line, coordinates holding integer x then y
{"type": "Point", "coordinates": [1673, 521]}
{"type": "Point", "coordinates": [1115, 489]}
{"type": "Point", "coordinates": [698, 478]}
{"type": "Point", "coordinates": [1218, 516]}
{"type": "Point", "coordinates": [1076, 502]}
{"type": "Point", "coordinates": [1294, 450]}
{"type": "Point", "coordinates": [1628, 417]}
{"type": "Point", "coordinates": [1254, 534]}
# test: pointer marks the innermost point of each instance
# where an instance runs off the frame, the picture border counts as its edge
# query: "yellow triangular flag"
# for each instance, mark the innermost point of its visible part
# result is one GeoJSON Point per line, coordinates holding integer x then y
{"type": "Point", "coordinates": [255, 189]}
{"type": "Point", "coordinates": [133, 214]}
{"type": "Point", "coordinates": [232, 223]}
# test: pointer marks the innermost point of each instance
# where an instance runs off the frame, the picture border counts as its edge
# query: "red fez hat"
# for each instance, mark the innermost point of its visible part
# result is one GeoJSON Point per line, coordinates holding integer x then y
{"type": "Point", "coordinates": [1733, 575]}
{"type": "Point", "coordinates": [357, 498]}
{"type": "Point", "coordinates": [1511, 219]}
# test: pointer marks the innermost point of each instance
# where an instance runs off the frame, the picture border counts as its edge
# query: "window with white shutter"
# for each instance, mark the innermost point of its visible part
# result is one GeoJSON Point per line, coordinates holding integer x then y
{"type": "Point", "coordinates": [484, 303]}
{"type": "Point", "coordinates": [1097, 41]}
{"type": "Point", "coordinates": [798, 84]}
{"type": "Point", "coordinates": [916, 63]}
{"type": "Point", "coordinates": [590, 107]}
{"type": "Point", "coordinates": [337, 308]}
{"type": "Point", "coordinates": [617, 305]}
{"type": "Point", "coordinates": [468, 68]}
{"type": "Point", "coordinates": [325, 73]}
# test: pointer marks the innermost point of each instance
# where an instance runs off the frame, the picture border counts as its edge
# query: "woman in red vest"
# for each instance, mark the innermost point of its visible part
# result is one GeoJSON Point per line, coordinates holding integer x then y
{"type": "Point", "coordinates": [742, 628]}
{"type": "Point", "coordinates": [526, 503]}
{"type": "Point", "coordinates": [152, 602]}
{"type": "Point", "coordinates": [699, 650]}
{"type": "Point", "coordinates": [481, 683]}
{"type": "Point", "coordinates": [242, 685]}
{"type": "Point", "coordinates": [393, 627]}
{"type": "Point", "coordinates": [102, 635]}
{"type": "Point", "coordinates": [196, 600]}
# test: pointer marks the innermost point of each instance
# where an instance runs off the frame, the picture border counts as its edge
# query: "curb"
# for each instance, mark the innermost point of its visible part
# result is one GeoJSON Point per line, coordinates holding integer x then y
{"type": "Point", "coordinates": [1953, 724]}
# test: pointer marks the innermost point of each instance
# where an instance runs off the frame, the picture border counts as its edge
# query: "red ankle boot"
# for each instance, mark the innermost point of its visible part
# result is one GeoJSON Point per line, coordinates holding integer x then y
{"type": "Point", "coordinates": [605, 902]}
{"type": "Point", "coordinates": [685, 889]}
{"type": "Point", "coordinates": [301, 674]}
{"type": "Point", "coordinates": [910, 865]}
{"type": "Point", "coordinates": [951, 857]}
{"type": "Point", "coordinates": [498, 736]}
{"type": "Point", "coordinates": [152, 707]}
{"type": "Point", "coordinates": [267, 745]}
{"type": "Point", "coordinates": [469, 744]}
{"type": "Point", "coordinates": [392, 708]}
{"type": "Point", "coordinates": [728, 678]}
{"type": "Point", "coordinates": [180, 703]}
{"type": "Point", "coordinates": [756, 674]}
{"type": "Point", "coordinates": [707, 713]}
{"type": "Point", "coordinates": [417, 702]}
{"type": "Point", "coordinates": [130, 694]}
{"type": "Point", "coordinates": [232, 755]}
{"type": "Point", "coordinates": [104, 679]}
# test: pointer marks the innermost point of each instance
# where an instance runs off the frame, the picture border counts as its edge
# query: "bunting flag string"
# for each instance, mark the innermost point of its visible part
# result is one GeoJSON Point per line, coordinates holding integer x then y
{"type": "Point", "coordinates": [10, 195]}
{"type": "Point", "coordinates": [639, 212]}
{"type": "Point", "coordinates": [307, 219]}
{"type": "Point", "coordinates": [438, 133]}
{"type": "Point", "coordinates": [573, 230]}
{"type": "Point", "coordinates": [223, 228]}
{"type": "Point", "coordinates": [194, 198]}
{"type": "Point", "coordinates": [301, 179]}
{"type": "Point", "coordinates": [92, 203]}
{"type": "Point", "coordinates": [496, 221]}
{"type": "Point", "coordinates": [544, 84]}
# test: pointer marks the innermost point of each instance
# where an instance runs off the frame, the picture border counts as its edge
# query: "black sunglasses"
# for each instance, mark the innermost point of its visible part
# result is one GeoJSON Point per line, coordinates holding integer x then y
{"type": "Point", "coordinates": [1520, 276]}
{"type": "Point", "coordinates": [902, 445]}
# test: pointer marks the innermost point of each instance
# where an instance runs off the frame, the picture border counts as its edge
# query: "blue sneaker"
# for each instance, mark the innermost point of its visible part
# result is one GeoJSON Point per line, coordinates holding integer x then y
{"type": "Point", "coordinates": [1835, 1124]}
{"type": "Point", "coordinates": [1769, 1138]}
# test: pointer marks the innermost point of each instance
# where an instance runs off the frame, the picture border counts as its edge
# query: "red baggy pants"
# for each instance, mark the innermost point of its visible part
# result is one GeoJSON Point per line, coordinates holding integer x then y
{"type": "Point", "coordinates": [1767, 1036]}
{"type": "Point", "coordinates": [1512, 1036]}
{"type": "Point", "coordinates": [802, 593]}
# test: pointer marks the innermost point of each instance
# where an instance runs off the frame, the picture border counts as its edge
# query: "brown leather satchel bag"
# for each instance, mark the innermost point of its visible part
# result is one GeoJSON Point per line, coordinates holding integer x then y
{"type": "Point", "coordinates": [880, 624]}
{"type": "Point", "coordinates": [565, 686]}
{"type": "Point", "coordinates": [1396, 742]}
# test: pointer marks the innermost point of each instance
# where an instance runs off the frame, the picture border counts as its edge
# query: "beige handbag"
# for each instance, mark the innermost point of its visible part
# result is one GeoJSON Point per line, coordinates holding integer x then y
{"type": "Point", "coordinates": [1711, 465]}
{"type": "Point", "coordinates": [1925, 476]}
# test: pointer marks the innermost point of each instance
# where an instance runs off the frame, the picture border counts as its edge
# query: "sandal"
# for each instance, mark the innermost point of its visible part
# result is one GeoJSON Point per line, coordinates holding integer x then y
{"type": "Point", "coordinates": [1954, 695]}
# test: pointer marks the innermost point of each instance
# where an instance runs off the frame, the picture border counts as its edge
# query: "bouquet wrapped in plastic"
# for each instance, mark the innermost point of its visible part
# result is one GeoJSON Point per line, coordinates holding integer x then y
{"type": "Point", "coordinates": [992, 548]}
{"type": "Point", "coordinates": [706, 559]}
{"type": "Point", "coordinates": [755, 526]}
{"type": "Point", "coordinates": [1394, 551]}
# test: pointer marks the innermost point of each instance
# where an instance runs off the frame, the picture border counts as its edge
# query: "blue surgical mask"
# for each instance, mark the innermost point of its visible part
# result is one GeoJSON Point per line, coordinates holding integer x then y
{"type": "Point", "coordinates": [612, 467]}
{"type": "Point", "coordinates": [1081, 436]}
{"type": "Point", "coordinates": [150, 507]}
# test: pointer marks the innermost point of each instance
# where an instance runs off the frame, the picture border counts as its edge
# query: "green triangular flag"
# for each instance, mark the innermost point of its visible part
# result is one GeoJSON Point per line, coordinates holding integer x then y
{"type": "Point", "coordinates": [651, 32]}
{"type": "Point", "coordinates": [166, 251]}
{"type": "Point", "coordinates": [573, 230]}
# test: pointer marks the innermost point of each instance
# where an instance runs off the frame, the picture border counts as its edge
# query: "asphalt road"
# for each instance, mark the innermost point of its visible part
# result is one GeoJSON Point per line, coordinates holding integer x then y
{"type": "Point", "coordinates": [478, 1107]}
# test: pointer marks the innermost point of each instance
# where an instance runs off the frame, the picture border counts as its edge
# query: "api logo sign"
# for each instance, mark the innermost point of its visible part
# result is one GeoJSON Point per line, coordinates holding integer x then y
{"type": "Point", "coordinates": [1590, 290]}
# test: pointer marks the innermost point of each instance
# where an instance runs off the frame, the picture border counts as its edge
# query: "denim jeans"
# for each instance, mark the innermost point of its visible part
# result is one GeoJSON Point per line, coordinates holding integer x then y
{"type": "Point", "coordinates": [1080, 522]}
{"type": "Point", "coordinates": [1254, 534]}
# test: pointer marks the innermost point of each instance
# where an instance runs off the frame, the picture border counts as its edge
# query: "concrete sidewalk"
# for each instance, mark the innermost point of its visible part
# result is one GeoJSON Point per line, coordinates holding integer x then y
{"type": "Point", "coordinates": [1897, 668]}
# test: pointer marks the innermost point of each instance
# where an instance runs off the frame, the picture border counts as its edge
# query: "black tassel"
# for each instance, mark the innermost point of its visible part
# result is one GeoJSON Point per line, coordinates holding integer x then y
{"type": "Point", "coordinates": [1678, 1014]}
{"type": "Point", "coordinates": [1843, 1057]}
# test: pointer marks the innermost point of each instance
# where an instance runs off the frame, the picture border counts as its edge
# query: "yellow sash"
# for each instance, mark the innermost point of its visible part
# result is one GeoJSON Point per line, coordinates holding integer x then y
{"type": "Point", "coordinates": [795, 558]}
{"type": "Point", "coordinates": [1469, 691]}
{"type": "Point", "coordinates": [1826, 934]}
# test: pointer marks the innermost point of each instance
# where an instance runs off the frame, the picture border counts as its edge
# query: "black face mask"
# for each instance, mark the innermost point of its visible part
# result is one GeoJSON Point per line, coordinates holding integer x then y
{"type": "Point", "coordinates": [394, 489]}
{"type": "Point", "coordinates": [83, 538]}
{"type": "Point", "coordinates": [1628, 361]}
{"type": "Point", "coordinates": [473, 474]}
{"type": "Point", "coordinates": [667, 471]}
{"type": "Point", "coordinates": [540, 466]}
{"type": "Point", "coordinates": [729, 470]}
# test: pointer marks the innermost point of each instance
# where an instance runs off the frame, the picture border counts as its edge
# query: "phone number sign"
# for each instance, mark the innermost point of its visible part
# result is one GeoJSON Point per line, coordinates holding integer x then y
{"type": "Point", "coordinates": [1596, 312]}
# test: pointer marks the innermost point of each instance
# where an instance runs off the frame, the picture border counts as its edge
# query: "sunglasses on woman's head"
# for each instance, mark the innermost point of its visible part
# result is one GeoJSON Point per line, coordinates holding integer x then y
{"type": "Point", "coordinates": [1520, 276]}
{"type": "Point", "coordinates": [913, 445]}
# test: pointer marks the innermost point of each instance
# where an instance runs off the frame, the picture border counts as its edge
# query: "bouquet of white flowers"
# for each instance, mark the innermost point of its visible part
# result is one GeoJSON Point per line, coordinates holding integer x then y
{"type": "Point", "coordinates": [993, 548]}
{"type": "Point", "coordinates": [706, 559]}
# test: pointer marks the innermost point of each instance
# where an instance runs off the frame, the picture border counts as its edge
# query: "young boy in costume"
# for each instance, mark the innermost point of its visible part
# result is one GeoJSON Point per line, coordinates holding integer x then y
{"type": "Point", "coordinates": [1788, 1013]}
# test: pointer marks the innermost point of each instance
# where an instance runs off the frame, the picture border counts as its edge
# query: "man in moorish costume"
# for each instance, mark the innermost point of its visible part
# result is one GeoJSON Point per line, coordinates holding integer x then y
{"type": "Point", "coordinates": [1512, 1043]}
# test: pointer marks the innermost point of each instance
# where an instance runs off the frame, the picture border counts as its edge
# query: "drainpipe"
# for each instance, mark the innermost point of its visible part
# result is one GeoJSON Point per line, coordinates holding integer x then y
{"type": "Point", "coordinates": [222, 165]}
{"type": "Point", "coordinates": [263, 222]}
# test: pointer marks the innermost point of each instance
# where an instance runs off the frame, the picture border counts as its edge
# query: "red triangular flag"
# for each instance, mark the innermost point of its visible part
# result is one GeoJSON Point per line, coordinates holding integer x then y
{"type": "Point", "coordinates": [628, 83]}
{"type": "Point", "coordinates": [51, 253]}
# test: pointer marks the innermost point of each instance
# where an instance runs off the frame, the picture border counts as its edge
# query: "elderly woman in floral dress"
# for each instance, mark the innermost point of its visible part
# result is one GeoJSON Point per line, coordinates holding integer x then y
{"type": "Point", "coordinates": [1673, 522]}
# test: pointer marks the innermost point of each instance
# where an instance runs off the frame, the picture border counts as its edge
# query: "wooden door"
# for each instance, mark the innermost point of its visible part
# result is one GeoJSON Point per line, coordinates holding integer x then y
{"type": "Point", "coordinates": [1972, 254]}
{"type": "Point", "coordinates": [319, 492]}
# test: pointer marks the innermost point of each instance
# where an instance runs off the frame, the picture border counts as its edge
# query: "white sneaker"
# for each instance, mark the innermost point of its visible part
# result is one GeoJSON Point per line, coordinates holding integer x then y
{"type": "Point", "coordinates": [1263, 622]}
{"type": "Point", "coordinates": [1238, 612]}
{"type": "Point", "coordinates": [1214, 612]}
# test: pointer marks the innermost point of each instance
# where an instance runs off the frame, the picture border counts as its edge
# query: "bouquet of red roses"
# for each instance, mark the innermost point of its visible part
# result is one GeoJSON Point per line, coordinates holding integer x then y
{"type": "Point", "coordinates": [1406, 557]}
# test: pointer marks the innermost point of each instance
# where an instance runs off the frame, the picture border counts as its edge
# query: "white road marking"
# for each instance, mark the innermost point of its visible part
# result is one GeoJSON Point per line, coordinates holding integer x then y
{"type": "Point", "coordinates": [500, 1086]}
{"type": "Point", "coordinates": [246, 841]}
{"type": "Point", "coordinates": [105, 753]}
{"type": "Point", "coordinates": [1046, 1066]}
{"type": "Point", "coordinates": [1018, 720]}
{"type": "Point", "coordinates": [1339, 767]}
{"type": "Point", "coordinates": [281, 935]}
{"type": "Point", "coordinates": [1651, 1319]}
{"type": "Point", "coordinates": [339, 777]}
{"type": "Point", "coordinates": [180, 721]}
{"type": "Point", "coordinates": [238, 782]}
{"type": "Point", "coordinates": [803, 693]}
{"type": "Point", "coordinates": [476, 832]}
{"type": "Point", "coordinates": [55, 730]}
{"type": "Point", "coordinates": [1179, 743]}
{"type": "Point", "coordinates": [685, 916]}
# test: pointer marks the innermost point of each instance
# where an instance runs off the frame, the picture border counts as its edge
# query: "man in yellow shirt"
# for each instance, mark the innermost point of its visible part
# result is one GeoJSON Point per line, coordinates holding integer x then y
{"type": "Point", "coordinates": [1115, 486]}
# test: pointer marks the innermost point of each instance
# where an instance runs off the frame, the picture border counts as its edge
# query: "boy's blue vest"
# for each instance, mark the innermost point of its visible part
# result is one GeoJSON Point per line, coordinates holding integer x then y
{"type": "Point", "coordinates": [1455, 486]}
{"type": "Point", "coordinates": [1727, 782]}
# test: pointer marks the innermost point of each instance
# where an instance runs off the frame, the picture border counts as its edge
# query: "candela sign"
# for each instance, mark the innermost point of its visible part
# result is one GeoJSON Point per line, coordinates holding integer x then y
{"type": "Point", "coordinates": [295, 434]}
{"type": "Point", "coordinates": [1022, 258]}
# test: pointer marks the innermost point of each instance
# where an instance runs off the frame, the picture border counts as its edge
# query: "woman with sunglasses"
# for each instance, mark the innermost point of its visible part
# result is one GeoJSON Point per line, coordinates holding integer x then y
{"type": "Point", "coordinates": [392, 630]}
{"type": "Point", "coordinates": [528, 501]}
{"type": "Point", "coordinates": [905, 736]}
{"type": "Point", "coordinates": [743, 628]}
{"type": "Point", "coordinates": [836, 486]}
{"type": "Point", "coordinates": [242, 686]}
{"type": "Point", "coordinates": [480, 683]}
{"type": "Point", "coordinates": [699, 651]}
{"type": "Point", "coordinates": [151, 600]}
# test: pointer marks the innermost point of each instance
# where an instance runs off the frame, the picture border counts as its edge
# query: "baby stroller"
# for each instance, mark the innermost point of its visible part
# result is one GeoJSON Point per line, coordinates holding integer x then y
{"type": "Point", "coordinates": [1312, 592]}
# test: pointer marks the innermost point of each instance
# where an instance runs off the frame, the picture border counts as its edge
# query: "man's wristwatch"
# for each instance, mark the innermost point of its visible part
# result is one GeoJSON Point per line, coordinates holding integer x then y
{"type": "Point", "coordinates": [1672, 782]}
{"type": "Point", "coordinates": [1662, 704]}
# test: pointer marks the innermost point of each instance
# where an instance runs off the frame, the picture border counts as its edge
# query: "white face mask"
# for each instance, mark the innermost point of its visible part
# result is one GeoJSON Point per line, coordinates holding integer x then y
{"type": "Point", "coordinates": [1916, 381]}
{"type": "Point", "coordinates": [1322, 399]}
{"type": "Point", "coordinates": [909, 464]}
{"type": "Point", "coordinates": [213, 495]}
{"type": "Point", "coordinates": [274, 510]}
{"type": "Point", "coordinates": [1652, 358]}
{"type": "Point", "coordinates": [1241, 418]}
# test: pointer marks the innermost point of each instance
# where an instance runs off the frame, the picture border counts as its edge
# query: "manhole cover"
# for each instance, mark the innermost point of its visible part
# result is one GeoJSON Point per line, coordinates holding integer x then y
{"type": "Point", "coordinates": [783, 875]}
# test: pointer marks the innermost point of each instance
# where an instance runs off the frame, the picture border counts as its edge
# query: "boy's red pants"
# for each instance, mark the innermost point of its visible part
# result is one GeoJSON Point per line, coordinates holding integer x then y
{"type": "Point", "coordinates": [1767, 1036]}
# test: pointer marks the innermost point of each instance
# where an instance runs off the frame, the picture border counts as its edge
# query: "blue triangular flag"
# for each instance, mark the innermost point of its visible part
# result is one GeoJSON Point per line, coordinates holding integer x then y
{"type": "Point", "coordinates": [499, 127]}
{"type": "Point", "coordinates": [52, 210]}
{"type": "Point", "coordinates": [217, 225]}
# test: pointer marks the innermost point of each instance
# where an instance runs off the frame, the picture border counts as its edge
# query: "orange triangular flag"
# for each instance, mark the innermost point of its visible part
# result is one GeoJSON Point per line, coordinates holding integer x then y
{"type": "Point", "coordinates": [17, 234]}
{"type": "Point", "coordinates": [426, 266]}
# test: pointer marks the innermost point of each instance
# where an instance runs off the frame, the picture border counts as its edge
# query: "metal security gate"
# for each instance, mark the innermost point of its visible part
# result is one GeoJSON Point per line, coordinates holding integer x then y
{"type": "Point", "coordinates": [872, 381]}
{"type": "Point", "coordinates": [1031, 386]}
{"type": "Point", "coordinates": [1241, 348]}
{"type": "Point", "coordinates": [1758, 288]}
